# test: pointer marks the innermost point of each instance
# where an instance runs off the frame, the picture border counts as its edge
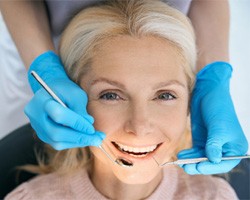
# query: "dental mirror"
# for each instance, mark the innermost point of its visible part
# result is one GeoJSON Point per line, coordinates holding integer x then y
{"type": "Point", "coordinates": [124, 162]}
{"type": "Point", "coordinates": [120, 161]}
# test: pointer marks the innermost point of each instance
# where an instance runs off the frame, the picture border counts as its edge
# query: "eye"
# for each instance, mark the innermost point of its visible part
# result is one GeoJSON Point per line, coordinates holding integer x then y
{"type": "Point", "coordinates": [166, 96]}
{"type": "Point", "coordinates": [110, 96]}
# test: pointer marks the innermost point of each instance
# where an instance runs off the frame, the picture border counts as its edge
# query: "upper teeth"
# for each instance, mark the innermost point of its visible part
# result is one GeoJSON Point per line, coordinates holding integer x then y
{"type": "Point", "coordinates": [137, 149]}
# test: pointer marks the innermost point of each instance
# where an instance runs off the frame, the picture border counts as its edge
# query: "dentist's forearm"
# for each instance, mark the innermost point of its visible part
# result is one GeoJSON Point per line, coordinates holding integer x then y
{"type": "Point", "coordinates": [27, 22]}
{"type": "Point", "coordinates": [211, 23]}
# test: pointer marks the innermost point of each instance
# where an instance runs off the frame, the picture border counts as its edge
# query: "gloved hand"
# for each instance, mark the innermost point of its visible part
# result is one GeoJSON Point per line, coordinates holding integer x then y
{"type": "Point", "coordinates": [61, 127]}
{"type": "Point", "coordinates": [216, 131]}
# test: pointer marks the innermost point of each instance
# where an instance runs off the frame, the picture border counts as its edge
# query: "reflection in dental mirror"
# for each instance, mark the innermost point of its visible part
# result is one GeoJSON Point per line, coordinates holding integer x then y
{"type": "Point", "coordinates": [124, 162]}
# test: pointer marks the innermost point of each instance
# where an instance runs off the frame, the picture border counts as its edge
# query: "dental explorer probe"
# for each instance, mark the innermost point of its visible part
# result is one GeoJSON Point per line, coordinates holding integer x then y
{"type": "Point", "coordinates": [198, 160]}
{"type": "Point", "coordinates": [120, 161]}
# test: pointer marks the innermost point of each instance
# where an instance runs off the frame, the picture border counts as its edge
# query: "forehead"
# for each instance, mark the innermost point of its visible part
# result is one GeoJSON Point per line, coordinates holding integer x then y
{"type": "Point", "coordinates": [126, 45]}
{"type": "Point", "coordinates": [148, 57]}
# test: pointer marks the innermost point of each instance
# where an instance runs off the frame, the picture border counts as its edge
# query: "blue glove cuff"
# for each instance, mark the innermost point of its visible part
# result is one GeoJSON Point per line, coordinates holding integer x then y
{"type": "Point", "coordinates": [216, 72]}
{"type": "Point", "coordinates": [213, 76]}
{"type": "Point", "coordinates": [48, 66]}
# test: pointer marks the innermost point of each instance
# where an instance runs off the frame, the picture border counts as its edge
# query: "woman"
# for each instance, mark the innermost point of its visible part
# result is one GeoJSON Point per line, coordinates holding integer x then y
{"type": "Point", "coordinates": [134, 59]}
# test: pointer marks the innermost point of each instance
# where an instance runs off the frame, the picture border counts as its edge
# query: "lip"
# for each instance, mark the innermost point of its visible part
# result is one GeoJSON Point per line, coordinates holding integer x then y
{"type": "Point", "coordinates": [134, 156]}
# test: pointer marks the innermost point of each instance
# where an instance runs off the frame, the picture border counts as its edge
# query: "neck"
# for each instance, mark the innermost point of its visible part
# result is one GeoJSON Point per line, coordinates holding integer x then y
{"type": "Point", "coordinates": [112, 188]}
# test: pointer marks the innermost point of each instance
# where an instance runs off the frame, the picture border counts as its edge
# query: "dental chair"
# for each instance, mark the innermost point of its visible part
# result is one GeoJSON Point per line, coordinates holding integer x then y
{"type": "Point", "coordinates": [18, 148]}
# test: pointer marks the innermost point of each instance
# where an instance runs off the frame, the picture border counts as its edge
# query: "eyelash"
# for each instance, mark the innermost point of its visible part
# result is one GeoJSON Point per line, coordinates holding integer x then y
{"type": "Point", "coordinates": [112, 96]}
{"type": "Point", "coordinates": [105, 96]}
{"type": "Point", "coordinates": [169, 97]}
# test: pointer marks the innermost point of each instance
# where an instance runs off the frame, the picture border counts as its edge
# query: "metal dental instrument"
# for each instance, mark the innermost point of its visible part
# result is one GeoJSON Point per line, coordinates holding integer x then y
{"type": "Point", "coordinates": [120, 161]}
{"type": "Point", "coordinates": [198, 160]}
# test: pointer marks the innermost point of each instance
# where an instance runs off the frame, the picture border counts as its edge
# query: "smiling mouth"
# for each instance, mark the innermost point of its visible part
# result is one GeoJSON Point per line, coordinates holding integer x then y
{"type": "Point", "coordinates": [136, 151]}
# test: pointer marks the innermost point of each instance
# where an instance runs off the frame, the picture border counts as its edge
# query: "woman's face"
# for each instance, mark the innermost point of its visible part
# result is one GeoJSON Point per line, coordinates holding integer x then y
{"type": "Point", "coordinates": [138, 96]}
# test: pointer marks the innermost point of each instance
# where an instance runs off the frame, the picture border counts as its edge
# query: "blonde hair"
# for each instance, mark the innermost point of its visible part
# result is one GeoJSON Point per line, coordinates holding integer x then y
{"type": "Point", "coordinates": [136, 18]}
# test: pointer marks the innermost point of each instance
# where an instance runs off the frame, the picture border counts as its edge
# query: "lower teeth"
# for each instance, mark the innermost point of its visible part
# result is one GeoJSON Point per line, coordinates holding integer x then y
{"type": "Point", "coordinates": [138, 155]}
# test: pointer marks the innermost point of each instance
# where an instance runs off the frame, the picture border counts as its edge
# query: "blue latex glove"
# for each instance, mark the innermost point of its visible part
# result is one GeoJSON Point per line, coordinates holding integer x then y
{"type": "Point", "coordinates": [216, 130]}
{"type": "Point", "coordinates": [61, 127]}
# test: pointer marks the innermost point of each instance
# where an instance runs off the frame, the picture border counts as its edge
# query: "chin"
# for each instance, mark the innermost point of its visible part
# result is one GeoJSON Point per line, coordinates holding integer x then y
{"type": "Point", "coordinates": [138, 175]}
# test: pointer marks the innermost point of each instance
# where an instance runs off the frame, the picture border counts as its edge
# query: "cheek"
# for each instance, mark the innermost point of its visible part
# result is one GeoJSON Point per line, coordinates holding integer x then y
{"type": "Point", "coordinates": [173, 126]}
{"type": "Point", "coordinates": [104, 116]}
{"type": "Point", "coordinates": [174, 121]}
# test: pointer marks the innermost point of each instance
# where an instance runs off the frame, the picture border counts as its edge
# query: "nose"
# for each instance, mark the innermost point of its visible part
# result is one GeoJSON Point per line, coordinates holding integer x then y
{"type": "Point", "coordinates": [138, 120]}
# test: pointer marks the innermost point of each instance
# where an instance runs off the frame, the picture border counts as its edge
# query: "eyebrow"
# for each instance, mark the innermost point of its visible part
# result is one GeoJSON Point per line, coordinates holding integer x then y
{"type": "Point", "coordinates": [120, 85]}
{"type": "Point", "coordinates": [168, 83]}
{"type": "Point", "coordinates": [105, 80]}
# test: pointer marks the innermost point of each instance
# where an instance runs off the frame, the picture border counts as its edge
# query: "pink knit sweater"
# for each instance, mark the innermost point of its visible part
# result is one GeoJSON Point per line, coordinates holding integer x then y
{"type": "Point", "coordinates": [176, 184]}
